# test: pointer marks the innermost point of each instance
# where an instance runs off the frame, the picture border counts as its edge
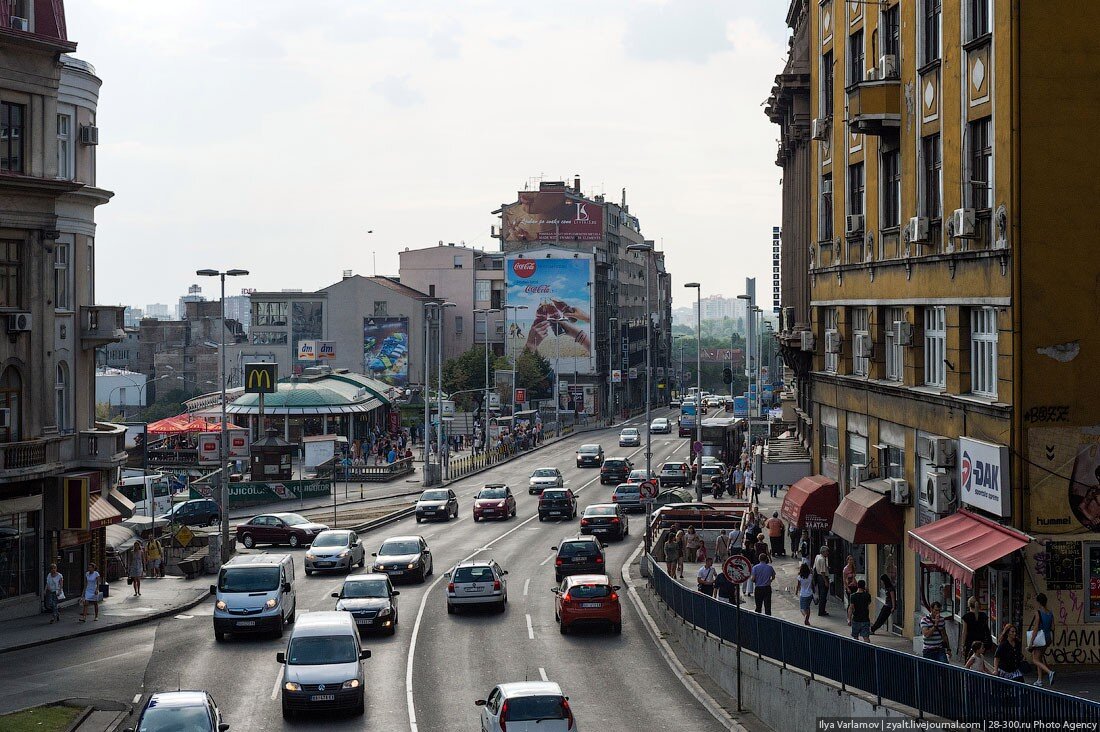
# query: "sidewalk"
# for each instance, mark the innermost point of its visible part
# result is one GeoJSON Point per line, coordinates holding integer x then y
{"type": "Point", "coordinates": [159, 598]}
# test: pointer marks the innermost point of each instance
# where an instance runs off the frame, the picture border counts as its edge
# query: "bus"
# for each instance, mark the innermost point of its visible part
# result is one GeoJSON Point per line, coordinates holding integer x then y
{"type": "Point", "coordinates": [723, 437]}
{"type": "Point", "coordinates": [687, 418]}
{"type": "Point", "coordinates": [145, 491]}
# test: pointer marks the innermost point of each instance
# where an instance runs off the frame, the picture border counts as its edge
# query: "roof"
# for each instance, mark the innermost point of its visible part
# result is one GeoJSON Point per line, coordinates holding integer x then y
{"type": "Point", "coordinates": [313, 623]}
{"type": "Point", "coordinates": [589, 579]}
{"type": "Point", "coordinates": [334, 393]}
{"type": "Point", "coordinates": [177, 698]}
{"type": "Point", "coordinates": [530, 688]}
{"type": "Point", "coordinates": [410, 537]}
{"type": "Point", "coordinates": [263, 560]}
{"type": "Point", "coordinates": [364, 577]}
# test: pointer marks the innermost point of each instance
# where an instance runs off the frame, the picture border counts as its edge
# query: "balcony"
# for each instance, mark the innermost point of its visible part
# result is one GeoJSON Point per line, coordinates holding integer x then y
{"type": "Point", "coordinates": [874, 107]}
{"type": "Point", "coordinates": [104, 446]}
{"type": "Point", "coordinates": [101, 325]}
{"type": "Point", "coordinates": [30, 459]}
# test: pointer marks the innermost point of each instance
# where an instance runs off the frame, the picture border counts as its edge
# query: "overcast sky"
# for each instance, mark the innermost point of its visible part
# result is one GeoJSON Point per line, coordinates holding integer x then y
{"type": "Point", "coordinates": [272, 135]}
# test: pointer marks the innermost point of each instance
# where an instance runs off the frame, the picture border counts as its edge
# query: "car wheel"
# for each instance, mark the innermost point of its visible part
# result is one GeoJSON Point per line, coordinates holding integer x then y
{"type": "Point", "coordinates": [456, 512]}
{"type": "Point", "coordinates": [501, 606]}
{"type": "Point", "coordinates": [281, 630]}
{"type": "Point", "coordinates": [563, 628]}
{"type": "Point", "coordinates": [541, 517]}
{"type": "Point", "coordinates": [419, 519]}
{"type": "Point", "coordinates": [247, 541]}
{"type": "Point", "coordinates": [361, 707]}
{"type": "Point", "coordinates": [450, 609]}
{"type": "Point", "coordinates": [476, 519]}
{"type": "Point", "coordinates": [293, 616]}
{"type": "Point", "coordinates": [431, 567]}
{"type": "Point", "coordinates": [393, 628]}
{"type": "Point", "coordinates": [423, 575]}
{"type": "Point", "coordinates": [219, 636]}
{"type": "Point", "coordinates": [513, 511]}
{"type": "Point", "coordinates": [363, 561]}
{"type": "Point", "coordinates": [293, 541]}
{"type": "Point", "coordinates": [214, 521]}
{"type": "Point", "coordinates": [309, 572]}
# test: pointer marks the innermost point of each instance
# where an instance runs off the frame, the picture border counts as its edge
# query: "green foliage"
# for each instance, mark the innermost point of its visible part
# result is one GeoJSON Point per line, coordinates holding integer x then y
{"type": "Point", "coordinates": [533, 373]}
{"type": "Point", "coordinates": [467, 371]}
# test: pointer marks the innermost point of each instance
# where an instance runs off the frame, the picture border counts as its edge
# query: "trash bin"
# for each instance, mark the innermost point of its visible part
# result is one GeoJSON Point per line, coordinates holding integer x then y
{"type": "Point", "coordinates": [105, 589]}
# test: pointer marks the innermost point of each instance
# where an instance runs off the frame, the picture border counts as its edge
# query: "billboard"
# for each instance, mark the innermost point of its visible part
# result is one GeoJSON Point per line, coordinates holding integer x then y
{"type": "Point", "coordinates": [386, 349]}
{"type": "Point", "coordinates": [557, 323]}
{"type": "Point", "coordinates": [261, 378]}
{"type": "Point", "coordinates": [551, 216]}
{"type": "Point", "coordinates": [316, 350]}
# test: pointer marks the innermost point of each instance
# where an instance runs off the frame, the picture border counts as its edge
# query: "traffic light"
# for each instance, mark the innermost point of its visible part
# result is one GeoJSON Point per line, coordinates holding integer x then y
{"type": "Point", "coordinates": [727, 375]}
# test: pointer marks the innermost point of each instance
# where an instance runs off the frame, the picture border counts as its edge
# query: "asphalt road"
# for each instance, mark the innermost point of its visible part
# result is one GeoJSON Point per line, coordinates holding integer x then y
{"type": "Point", "coordinates": [614, 682]}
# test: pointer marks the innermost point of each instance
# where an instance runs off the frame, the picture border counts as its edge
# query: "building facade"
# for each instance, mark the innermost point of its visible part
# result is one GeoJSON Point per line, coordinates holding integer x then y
{"type": "Point", "coordinates": [120, 391]}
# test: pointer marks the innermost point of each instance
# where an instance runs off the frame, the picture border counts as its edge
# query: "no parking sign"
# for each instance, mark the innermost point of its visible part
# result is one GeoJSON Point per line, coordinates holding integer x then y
{"type": "Point", "coordinates": [737, 568]}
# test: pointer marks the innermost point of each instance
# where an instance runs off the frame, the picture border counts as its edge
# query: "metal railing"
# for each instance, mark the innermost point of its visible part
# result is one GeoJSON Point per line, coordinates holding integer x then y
{"type": "Point", "coordinates": [377, 473]}
{"type": "Point", "coordinates": [932, 688]}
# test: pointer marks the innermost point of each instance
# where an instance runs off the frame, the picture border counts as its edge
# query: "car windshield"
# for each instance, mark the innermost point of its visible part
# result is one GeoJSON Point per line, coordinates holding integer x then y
{"type": "Point", "coordinates": [589, 591]}
{"type": "Point", "coordinates": [553, 495]}
{"type": "Point", "coordinates": [366, 588]}
{"type": "Point", "coordinates": [333, 538]}
{"type": "Point", "coordinates": [248, 579]}
{"type": "Point", "coordinates": [492, 493]}
{"type": "Point", "coordinates": [473, 574]}
{"type": "Point", "coordinates": [531, 708]}
{"type": "Point", "coordinates": [172, 719]}
{"type": "Point", "coordinates": [589, 449]}
{"type": "Point", "coordinates": [545, 473]}
{"type": "Point", "coordinates": [292, 519]}
{"type": "Point", "coordinates": [434, 496]}
{"type": "Point", "coordinates": [672, 466]}
{"type": "Point", "coordinates": [394, 548]}
{"type": "Point", "coordinates": [578, 549]}
{"type": "Point", "coordinates": [628, 488]}
{"type": "Point", "coordinates": [614, 463]}
{"type": "Point", "coordinates": [319, 650]}
{"type": "Point", "coordinates": [631, 431]}
{"type": "Point", "coordinates": [599, 511]}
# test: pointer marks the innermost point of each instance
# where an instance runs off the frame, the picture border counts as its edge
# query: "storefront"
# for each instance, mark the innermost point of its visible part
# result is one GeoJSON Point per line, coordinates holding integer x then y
{"type": "Point", "coordinates": [809, 505]}
{"type": "Point", "coordinates": [867, 517]}
{"type": "Point", "coordinates": [20, 563]}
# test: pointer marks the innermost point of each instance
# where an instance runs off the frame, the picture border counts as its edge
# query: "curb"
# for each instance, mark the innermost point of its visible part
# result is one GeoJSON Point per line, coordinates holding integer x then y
{"type": "Point", "coordinates": [384, 520]}
{"type": "Point", "coordinates": [96, 630]}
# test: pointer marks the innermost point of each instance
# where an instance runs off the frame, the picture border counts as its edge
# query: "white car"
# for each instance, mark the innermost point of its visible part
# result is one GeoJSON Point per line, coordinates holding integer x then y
{"type": "Point", "coordinates": [544, 478]}
{"type": "Point", "coordinates": [630, 437]}
{"type": "Point", "coordinates": [527, 706]}
{"type": "Point", "coordinates": [660, 425]}
{"type": "Point", "coordinates": [477, 582]}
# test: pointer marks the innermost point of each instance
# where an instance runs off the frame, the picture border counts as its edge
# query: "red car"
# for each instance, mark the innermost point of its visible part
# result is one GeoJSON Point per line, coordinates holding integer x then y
{"type": "Point", "coordinates": [495, 500]}
{"type": "Point", "coordinates": [587, 598]}
{"type": "Point", "coordinates": [279, 528]}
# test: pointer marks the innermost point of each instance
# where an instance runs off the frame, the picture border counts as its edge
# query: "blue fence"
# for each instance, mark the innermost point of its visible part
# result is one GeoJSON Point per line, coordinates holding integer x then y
{"type": "Point", "coordinates": [932, 688]}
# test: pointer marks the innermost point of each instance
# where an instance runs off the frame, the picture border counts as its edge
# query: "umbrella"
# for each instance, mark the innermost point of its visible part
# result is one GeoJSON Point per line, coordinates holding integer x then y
{"type": "Point", "coordinates": [168, 426]}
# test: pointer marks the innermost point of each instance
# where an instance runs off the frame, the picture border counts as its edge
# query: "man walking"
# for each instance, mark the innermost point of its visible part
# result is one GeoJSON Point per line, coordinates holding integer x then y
{"type": "Point", "coordinates": [707, 577]}
{"type": "Point", "coordinates": [739, 481]}
{"type": "Point", "coordinates": [934, 635]}
{"type": "Point", "coordinates": [821, 579]}
{"type": "Point", "coordinates": [774, 525]}
{"type": "Point", "coordinates": [154, 552]}
{"type": "Point", "coordinates": [859, 612]}
{"type": "Point", "coordinates": [763, 574]}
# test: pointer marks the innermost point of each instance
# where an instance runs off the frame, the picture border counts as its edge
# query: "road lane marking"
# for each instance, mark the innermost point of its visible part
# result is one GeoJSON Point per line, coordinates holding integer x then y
{"type": "Point", "coordinates": [544, 561]}
{"type": "Point", "coordinates": [526, 586]}
{"type": "Point", "coordinates": [278, 683]}
{"type": "Point", "coordinates": [542, 674]}
{"type": "Point", "coordinates": [137, 697]}
{"type": "Point", "coordinates": [530, 629]}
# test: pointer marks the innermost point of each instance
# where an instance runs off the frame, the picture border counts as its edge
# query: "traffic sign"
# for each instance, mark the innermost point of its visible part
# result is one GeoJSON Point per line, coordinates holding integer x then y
{"type": "Point", "coordinates": [648, 489]}
{"type": "Point", "coordinates": [737, 568]}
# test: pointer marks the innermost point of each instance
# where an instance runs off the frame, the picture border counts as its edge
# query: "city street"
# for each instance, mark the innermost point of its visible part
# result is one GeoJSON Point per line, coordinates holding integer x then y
{"type": "Point", "coordinates": [432, 682]}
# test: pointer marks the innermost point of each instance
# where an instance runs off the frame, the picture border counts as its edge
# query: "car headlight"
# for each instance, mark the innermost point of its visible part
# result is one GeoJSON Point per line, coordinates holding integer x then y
{"type": "Point", "coordinates": [412, 565]}
{"type": "Point", "coordinates": [292, 686]}
{"type": "Point", "coordinates": [344, 553]}
{"type": "Point", "coordinates": [311, 557]}
{"type": "Point", "coordinates": [379, 567]}
{"type": "Point", "coordinates": [385, 612]}
{"type": "Point", "coordinates": [271, 603]}
{"type": "Point", "coordinates": [220, 605]}
{"type": "Point", "coordinates": [351, 684]}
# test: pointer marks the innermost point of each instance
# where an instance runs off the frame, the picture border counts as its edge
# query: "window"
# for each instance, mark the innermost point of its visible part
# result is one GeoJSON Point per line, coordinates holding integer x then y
{"type": "Point", "coordinates": [861, 327]}
{"type": "Point", "coordinates": [893, 462]}
{"type": "Point", "coordinates": [269, 313]}
{"type": "Point", "coordinates": [61, 389]}
{"type": "Point", "coordinates": [482, 290]}
{"type": "Point", "coordinates": [61, 272]}
{"type": "Point", "coordinates": [10, 271]}
{"type": "Point", "coordinates": [268, 338]}
{"type": "Point", "coordinates": [831, 359]}
{"type": "Point", "coordinates": [935, 346]}
{"type": "Point", "coordinates": [931, 184]}
{"type": "Point", "coordinates": [458, 325]}
{"type": "Point", "coordinates": [931, 37]}
{"type": "Point", "coordinates": [895, 359]}
{"type": "Point", "coordinates": [827, 84]}
{"type": "Point", "coordinates": [855, 188]}
{"type": "Point", "coordinates": [891, 40]}
{"type": "Point", "coordinates": [890, 170]}
{"type": "Point", "coordinates": [981, 163]}
{"type": "Point", "coordinates": [830, 441]}
{"type": "Point", "coordinates": [497, 299]}
{"type": "Point", "coordinates": [11, 137]}
{"type": "Point", "coordinates": [983, 351]}
{"type": "Point", "coordinates": [827, 208]}
{"type": "Point", "coordinates": [979, 15]}
{"type": "Point", "coordinates": [458, 261]}
{"type": "Point", "coordinates": [855, 452]}
{"type": "Point", "coordinates": [19, 553]}
{"type": "Point", "coordinates": [381, 308]}
{"type": "Point", "coordinates": [64, 147]}
{"type": "Point", "coordinates": [855, 57]}
{"type": "Point", "coordinates": [11, 393]}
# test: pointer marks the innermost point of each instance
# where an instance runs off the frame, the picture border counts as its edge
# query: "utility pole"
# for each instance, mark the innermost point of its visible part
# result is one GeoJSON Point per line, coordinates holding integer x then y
{"type": "Point", "coordinates": [698, 387]}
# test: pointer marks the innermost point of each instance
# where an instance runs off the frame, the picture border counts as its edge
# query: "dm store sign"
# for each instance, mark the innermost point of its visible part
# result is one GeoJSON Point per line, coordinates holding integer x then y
{"type": "Point", "coordinates": [983, 476]}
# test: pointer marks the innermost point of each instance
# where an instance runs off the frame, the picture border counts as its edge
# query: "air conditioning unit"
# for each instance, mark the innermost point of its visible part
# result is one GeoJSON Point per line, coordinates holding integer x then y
{"type": "Point", "coordinates": [89, 135]}
{"type": "Point", "coordinates": [918, 229]}
{"type": "Point", "coordinates": [940, 451]}
{"type": "Point", "coordinates": [938, 493]}
{"type": "Point", "coordinates": [806, 340]}
{"type": "Point", "coordinates": [962, 221]}
{"type": "Point", "coordinates": [819, 128]}
{"type": "Point", "coordinates": [857, 473]}
{"type": "Point", "coordinates": [827, 187]}
{"type": "Point", "coordinates": [18, 23]}
{"type": "Point", "coordinates": [853, 223]}
{"type": "Point", "coordinates": [903, 333]}
{"type": "Point", "coordinates": [19, 322]}
{"type": "Point", "coordinates": [5, 418]}
{"type": "Point", "coordinates": [888, 66]}
{"type": "Point", "coordinates": [862, 345]}
{"type": "Point", "coordinates": [899, 491]}
{"type": "Point", "coordinates": [832, 341]}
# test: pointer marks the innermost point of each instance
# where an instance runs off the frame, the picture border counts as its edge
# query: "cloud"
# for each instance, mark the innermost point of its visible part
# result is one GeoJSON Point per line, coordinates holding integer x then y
{"type": "Point", "coordinates": [680, 31]}
{"type": "Point", "coordinates": [398, 91]}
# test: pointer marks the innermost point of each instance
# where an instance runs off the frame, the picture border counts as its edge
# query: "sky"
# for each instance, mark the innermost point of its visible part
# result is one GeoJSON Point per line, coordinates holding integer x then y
{"type": "Point", "coordinates": [276, 135]}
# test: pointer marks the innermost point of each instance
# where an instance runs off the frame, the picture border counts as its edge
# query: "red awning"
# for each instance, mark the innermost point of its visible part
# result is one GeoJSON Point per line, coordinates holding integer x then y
{"type": "Point", "coordinates": [101, 513]}
{"type": "Point", "coordinates": [867, 517]}
{"type": "Point", "coordinates": [811, 502]}
{"type": "Point", "coordinates": [964, 542]}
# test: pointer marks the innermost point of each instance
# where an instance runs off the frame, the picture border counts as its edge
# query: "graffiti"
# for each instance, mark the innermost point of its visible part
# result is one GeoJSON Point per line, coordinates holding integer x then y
{"type": "Point", "coordinates": [1049, 413]}
{"type": "Point", "coordinates": [1071, 608]}
{"type": "Point", "coordinates": [1077, 646]}
{"type": "Point", "coordinates": [1062, 562]}
{"type": "Point", "coordinates": [1041, 564]}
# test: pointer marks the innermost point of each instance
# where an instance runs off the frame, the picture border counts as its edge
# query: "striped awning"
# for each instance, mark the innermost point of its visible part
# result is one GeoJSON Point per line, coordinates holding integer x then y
{"type": "Point", "coordinates": [101, 513]}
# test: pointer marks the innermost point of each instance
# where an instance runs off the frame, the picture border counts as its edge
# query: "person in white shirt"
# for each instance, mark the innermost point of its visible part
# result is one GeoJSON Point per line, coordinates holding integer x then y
{"type": "Point", "coordinates": [706, 577]}
{"type": "Point", "coordinates": [55, 593]}
{"type": "Point", "coordinates": [821, 579]}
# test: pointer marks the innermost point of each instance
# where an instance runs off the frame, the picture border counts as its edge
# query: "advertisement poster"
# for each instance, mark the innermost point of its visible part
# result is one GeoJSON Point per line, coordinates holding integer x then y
{"type": "Point", "coordinates": [557, 322]}
{"type": "Point", "coordinates": [551, 216]}
{"type": "Point", "coordinates": [386, 349]}
{"type": "Point", "coordinates": [1064, 473]}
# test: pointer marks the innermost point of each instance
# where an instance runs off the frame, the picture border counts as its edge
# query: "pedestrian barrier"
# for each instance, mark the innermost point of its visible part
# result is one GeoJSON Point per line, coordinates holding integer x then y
{"type": "Point", "coordinates": [930, 687]}
{"type": "Point", "coordinates": [377, 473]}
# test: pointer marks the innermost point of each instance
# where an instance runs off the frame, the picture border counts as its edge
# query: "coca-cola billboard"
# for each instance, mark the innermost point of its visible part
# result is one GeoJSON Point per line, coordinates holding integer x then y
{"type": "Point", "coordinates": [551, 216]}
{"type": "Point", "coordinates": [557, 321]}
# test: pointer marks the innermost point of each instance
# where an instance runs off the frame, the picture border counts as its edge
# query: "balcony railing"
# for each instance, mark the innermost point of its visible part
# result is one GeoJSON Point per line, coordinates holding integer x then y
{"type": "Point", "coordinates": [26, 458]}
{"type": "Point", "coordinates": [100, 325]}
{"type": "Point", "coordinates": [874, 107]}
{"type": "Point", "coordinates": [103, 446]}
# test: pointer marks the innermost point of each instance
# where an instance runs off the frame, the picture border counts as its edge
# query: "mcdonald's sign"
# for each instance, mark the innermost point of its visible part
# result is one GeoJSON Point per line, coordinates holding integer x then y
{"type": "Point", "coordinates": [261, 378]}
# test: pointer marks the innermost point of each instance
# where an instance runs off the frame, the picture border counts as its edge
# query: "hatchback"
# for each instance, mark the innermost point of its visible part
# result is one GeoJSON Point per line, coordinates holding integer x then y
{"type": "Point", "coordinates": [278, 528]}
{"type": "Point", "coordinates": [335, 549]}
{"type": "Point", "coordinates": [189, 710]}
{"type": "Point", "coordinates": [544, 478]}
{"type": "Point", "coordinates": [606, 519]}
{"type": "Point", "coordinates": [557, 503]}
{"type": "Point", "coordinates": [494, 501]}
{"type": "Point", "coordinates": [437, 503]}
{"type": "Point", "coordinates": [196, 512]}
{"type": "Point", "coordinates": [578, 555]}
{"type": "Point", "coordinates": [371, 600]}
{"type": "Point", "coordinates": [478, 582]}
{"type": "Point", "coordinates": [661, 425]}
{"type": "Point", "coordinates": [628, 496]}
{"type": "Point", "coordinates": [589, 456]}
{"type": "Point", "coordinates": [587, 598]}
{"type": "Point", "coordinates": [528, 706]}
{"type": "Point", "coordinates": [674, 473]}
{"type": "Point", "coordinates": [404, 556]}
{"type": "Point", "coordinates": [615, 470]}
{"type": "Point", "coordinates": [629, 437]}
{"type": "Point", "coordinates": [640, 475]}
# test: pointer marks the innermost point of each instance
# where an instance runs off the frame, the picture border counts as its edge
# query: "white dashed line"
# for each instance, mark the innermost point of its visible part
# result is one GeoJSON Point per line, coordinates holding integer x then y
{"type": "Point", "coordinates": [278, 683]}
{"type": "Point", "coordinates": [544, 561]}
{"type": "Point", "coordinates": [542, 674]}
{"type": "Point", "coordinates": [530, 629]}
{"type": "Point", "coordinates": [137, 697]}
{"type": "Point", "coordinates": [526, 586]}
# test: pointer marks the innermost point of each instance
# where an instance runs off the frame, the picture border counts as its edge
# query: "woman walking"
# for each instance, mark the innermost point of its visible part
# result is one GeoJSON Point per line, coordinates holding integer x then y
{"type": "Point", "coordinates": [672, 552]}
{"type": "Point", "coordinates": [1009, 657]}
{"type": "Point", "coordinates": [805, 592]}
{"type": "Point", "coordinates": [888, 604]}
{"type": "Point", "coordinates": [722, 547]}
{"type": "Point", "coordinates": [1039, 640]}
{"type": "Point", "coordinates": [137, 567]}
{"type": "Point", "coordinates": [55, 593]}
{"type": "Point", "coordinates": [848, 576]}
{"type": "Point", "coordinates": [91, 594]}
{"type": "Point", "coordinates": [975, 627]}
{"type": "Point", "coordinates": [692, 542]}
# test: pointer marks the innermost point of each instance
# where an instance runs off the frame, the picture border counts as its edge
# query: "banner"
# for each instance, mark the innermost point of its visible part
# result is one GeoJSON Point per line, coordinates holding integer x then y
{"type": "Point", "coordinates": [551, 216]}
{"type": "Point", "coordinates": [386, 349]}
{"type": "Point", "coordinates": [316, 350]}
{"type": "Point", "coordinates": [1064, 476]}
{"type": "Point", "coordinates": [557, 322]}
{"type": "Point", "coordinates": [253, 494]}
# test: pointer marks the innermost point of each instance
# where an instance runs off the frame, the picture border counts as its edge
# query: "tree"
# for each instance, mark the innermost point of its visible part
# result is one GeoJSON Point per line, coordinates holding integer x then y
{"type": "Point", "coordinates": [465, 372]}
{"type": "Point", "coordinates": [168, 404]}
{"type": "Point", "coordinates": [533, 373]}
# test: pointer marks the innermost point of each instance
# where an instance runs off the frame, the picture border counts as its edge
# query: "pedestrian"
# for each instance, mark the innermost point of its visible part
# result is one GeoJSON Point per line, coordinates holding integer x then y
{"type": "Point", "coordinates": [55, 593]}
{"type": "Point", "coordinates": [804, 550]}
{"type": "Point", "coordinates": [722, 546]}
{"type": "Point", "coordinates": [91, 595]}
{"type": "Point", "coordinates": [821, 580]}
{"type": "Point", "coordinates": [1008, 660]}
{"type": "Point", "coordinates": [723, 588]}
{"type": "Point", "coordinates": [137, 567]}
{"type": "Point", "coordinates": [773, 490]}
{"type": "Point", "coordinates": [673, 548]}
{"type": "Point", "coordinates": [934, 635]}
{"type": "Point", "coordinates": [762, 576]}
{"type": "Point", "coordinates": [752, 486]}
{"type": "Point", "coordinates": [706, 577]}
{"type": "Point", "coordinates": [976, 660]}
{"type": "Point", "coordinates": [859, 612]}
{"type": "Point", "coordinates": [795, 534]}
{"type": "Point", "coordinates": [848, 577]}
{"type": "Point", "coordinates": [975, 627]}
{"type": "Point", "coordinates": [761, 547]}
{"type": "Point", "coordinates": [739, 481]}
{"type": "Point", "coordinates": [154, 552]}
{"type": "Point", "coordinates": [1039, 639]}
{"type": "Point", "coordinates": [748, 550]}
{"type": "Point", "coordinates": [888, 604]}
{"type": "Point", "coordinates": [805, 589]}
{"type": "Point", "coordinates": [692, 542]}
{"type": "Point", "coordinates": [735, 541]}
{"type": "Point", "coordinates": [775, 528]}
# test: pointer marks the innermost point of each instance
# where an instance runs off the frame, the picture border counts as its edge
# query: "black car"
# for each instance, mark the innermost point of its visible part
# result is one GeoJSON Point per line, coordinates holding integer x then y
{"type": "Point", "coordinates": [589, 456]}
{"type": "Point", "coordinates": [371, 600]}
{"type": "Point", "coordinates": [579, 555]}
{"type": "Point", "coordinates": [196, 512]}
{"type": "Point", "coordinates": [557, 503]}
{"type": "Point", "coordinates": [437, 503]}
{"type": "Point", "coordinates": [615, 470]}
{"type": "Point", "coordinates": [605, 519]}
{"type": "Point", "coordinates": [404, 556]}
{"type": "Point", "coordinates": [190, 710]}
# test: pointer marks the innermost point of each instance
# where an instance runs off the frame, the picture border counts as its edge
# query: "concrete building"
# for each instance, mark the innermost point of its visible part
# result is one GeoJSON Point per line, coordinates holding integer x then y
{"type": "Point", "coordinates": [953, 362]}
{"type": "Point", "coordinates": [182, 354]}
{"type": "Point", "coordinates": [120, 391]}
{"type": "Point", "coordinates": [157, 310]}
{"type": "Point", "coordinates": [53, 454]}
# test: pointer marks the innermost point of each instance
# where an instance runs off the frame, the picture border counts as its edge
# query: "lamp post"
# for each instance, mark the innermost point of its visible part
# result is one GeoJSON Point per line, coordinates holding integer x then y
{"type": "Point", "coordinates": [486, 312]}
{"type": "Point", "coordinates": [140, 388]}
{"type": "Point", "coordinates": [750, 317]}
{"type": "Point", "coordinates": [613, 343]}
{"type": "Point", "coordinates": [512, 400]}
{"type": "Point", "coordinates": [698, 386]}
{"type": "Point", "coordinates": [647, 250]}
{"type": "Point", "coordinates": [223, 452]}
{"type": "Point", "coordinates": [426, 372]}
{"type": "Point", "coordinates": [439, 386]}
{"type": "Point", "coordinates": [680, 373]}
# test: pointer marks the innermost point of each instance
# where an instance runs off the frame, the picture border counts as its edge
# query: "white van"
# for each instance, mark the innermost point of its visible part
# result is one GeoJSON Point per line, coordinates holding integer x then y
{"type": "Point", "coordinates": [254, 594]}
{"type": "Point", "coordinates": [322, 665]}
{"type": "Point", "coordinates": [145, 490]}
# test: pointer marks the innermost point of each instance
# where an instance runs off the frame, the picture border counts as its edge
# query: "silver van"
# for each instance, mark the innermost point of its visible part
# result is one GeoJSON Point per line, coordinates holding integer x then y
{"type": "Point", "coordinates": [254, 594]}
{"type": "Point", "coordinates": [322, 665]}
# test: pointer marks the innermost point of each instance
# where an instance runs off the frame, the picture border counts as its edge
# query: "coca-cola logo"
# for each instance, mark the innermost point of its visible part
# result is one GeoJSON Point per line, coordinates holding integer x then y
{"type": "Point", "coordinates": [523, 268]}
{"type": "Point", "coordinates": [537, 289]}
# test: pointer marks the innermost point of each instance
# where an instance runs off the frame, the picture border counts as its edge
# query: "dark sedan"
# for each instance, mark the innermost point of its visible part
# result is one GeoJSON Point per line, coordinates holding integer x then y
{"type": "Point", "coordinates": [371, 600]}
{"type": "Point", "coordinates": [278, 528]}
{"type": "Point", "coordinates": [438, 503]}
{"type": "Point", "coordinates": [404, 556]}
{"type": "Point", "coordinates": [605, 519]}
{"type": "Point", "coordinates": [196, 512]}
{"type": "Point", "coordinates": [189, 710]}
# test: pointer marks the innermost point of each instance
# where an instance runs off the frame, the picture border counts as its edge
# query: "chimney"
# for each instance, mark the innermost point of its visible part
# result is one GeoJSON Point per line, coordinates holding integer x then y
{"type": "Point", "coordinates": [347, 274]}
{"type": "Point", "coordinates": [577, 183]}
{"type": "Point", "coordinates": [624, 198]}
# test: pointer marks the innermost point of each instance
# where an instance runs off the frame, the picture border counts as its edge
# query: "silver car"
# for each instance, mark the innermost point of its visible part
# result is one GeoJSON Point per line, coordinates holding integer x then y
{"type": "Point", "coordinates": [478, 582]}
{"type": "Point", "coordinates": [335, 549]}
{"type": "Point", "coordinates": [628, 496]}
{"type": "Point", "coordinates": [544, 478]}
{"type": "Point", "coordinates": [630, 437]}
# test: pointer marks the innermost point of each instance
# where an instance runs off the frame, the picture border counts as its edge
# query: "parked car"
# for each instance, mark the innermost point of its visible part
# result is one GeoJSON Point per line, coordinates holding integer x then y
{"type": "Point", "coordinates": [322, 665]}
{"type": "Point", "coordinates": [615, 470]}
{"type": "Point", "coordinates": [495, 500]}
{"type": "Point", "coordinates": [194, 711]}
{"type": "Point", "coordinates": [661, 426]}
{"type": "Point", "coordinates": [557, 503]}
{"type": "Point", "coordinates": [587, 598]}
{"type": "Point", "coordinates": [278, 528]}
{"type": "Point", "coordinates": [628, 496]}
{"type": "Point", "coordinates": [335, 549]}
{"type": "Point", "coordinates": [371, 600]}
{"type": "Point", "coordinates": [629, 437]}
{"type": "Point", "coordinates": [674, 473]}
{"type": "Point", "coordinates": [544, 478]}
{"type": "Point", "coordinates": [404, 556]}
{"type": "Point", "coordinates": [196, 512]}
{"type": "Point", "coordinates": [437, 503]}
{"type": "Point", "coordinates": [577, 555]}
{"type": "Point", "coordinates": [527, 705]}
{"type": "Point", "coordinates": [589, 456]}
{"type": "Point", "coordinates": [477, 582]}
{"type": "Point", "coordinates": [605, 519]}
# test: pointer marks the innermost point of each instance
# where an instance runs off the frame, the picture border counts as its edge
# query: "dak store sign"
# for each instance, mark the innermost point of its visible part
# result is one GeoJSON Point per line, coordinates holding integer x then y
{"type": "Point", "coordinates": [983, 476]}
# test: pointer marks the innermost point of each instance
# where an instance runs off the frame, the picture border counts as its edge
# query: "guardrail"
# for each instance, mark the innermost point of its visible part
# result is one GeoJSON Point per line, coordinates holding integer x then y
{"type": "Point", "coordinates": [376, 473]}
{"type": "Point", "coordinates": [930, 687]}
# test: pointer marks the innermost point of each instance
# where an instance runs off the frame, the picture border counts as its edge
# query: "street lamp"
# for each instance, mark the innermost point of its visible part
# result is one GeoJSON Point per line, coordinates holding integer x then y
{"type": "Point", "coordinates": [613, 342]}
{"type": "Point", "coordinates": [439, 387]}
{"type": "Point", "coordinates": [223, 452]}
{"type": "Point", "coordinates": [486, 312]}
{"type": "Point", "coordinates": [513, 340]}
{"type": "Point", "coordinates": [140, 387]}
{"type": "Point", "coordinates": [647, 249]}
{"type": "Point", "coordinates": [698, 386]}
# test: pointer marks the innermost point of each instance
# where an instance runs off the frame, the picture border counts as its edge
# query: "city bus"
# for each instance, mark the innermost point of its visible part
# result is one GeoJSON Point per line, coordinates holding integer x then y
{"type": "Point", "coordinates": [145, 491]}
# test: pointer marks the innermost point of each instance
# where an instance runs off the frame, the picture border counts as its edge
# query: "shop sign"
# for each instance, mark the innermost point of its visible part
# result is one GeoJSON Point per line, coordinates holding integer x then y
{"type": "Point", "coordinates": [258, 493]}
{"type": "Point", "coordinates": [983, 476]}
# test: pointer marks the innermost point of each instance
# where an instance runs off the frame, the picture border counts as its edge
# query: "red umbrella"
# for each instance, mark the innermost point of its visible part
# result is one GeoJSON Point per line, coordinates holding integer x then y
{"type": "Point", "coordinates": [168, 426]}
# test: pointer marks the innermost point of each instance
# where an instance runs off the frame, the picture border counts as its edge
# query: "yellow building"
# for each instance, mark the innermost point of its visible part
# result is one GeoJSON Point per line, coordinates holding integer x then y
{"type": "Point", "coordinates": [954, 304]}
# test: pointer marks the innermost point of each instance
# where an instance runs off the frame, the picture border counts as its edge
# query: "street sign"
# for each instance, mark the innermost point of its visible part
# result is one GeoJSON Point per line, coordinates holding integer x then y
{"type": "Point", "coordinates": [697, 447]}
{"type": "Point", "coordinates": [261, 378]}
{"type": "Point", "coordinates": [616, 376]}
{"type": "Point", "coordinates": [521, 396]}
{"type": "Point", "coordinates": [185, 536]}
{"type": "Point", "coordinates": [648, 489]}
{"type": "Point", "coordinates": [737, 568]}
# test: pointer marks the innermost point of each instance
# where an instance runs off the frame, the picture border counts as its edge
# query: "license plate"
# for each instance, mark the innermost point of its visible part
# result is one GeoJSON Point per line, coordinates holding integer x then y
{"type": "Point", "coordinates": [490, 513]}
{"type": "Point", "coordinates": [590, 604]}
{"type": "Point", "coordinates": [323, 697]}
{"type": "Point", "coordinates": [245, 623]}
{"type": "Point", "coordinates": [363, 621]}
{"type": "Point", "coordinates": [473, 589]}
{"type": "Point", "coordinates": [555, 513]}
{"type": "Point", "coordinates": [579, 560]}
{"type": "Point", "coordinates": [323, 564]}
{"type": "Point", "coordinates": [397, 571]}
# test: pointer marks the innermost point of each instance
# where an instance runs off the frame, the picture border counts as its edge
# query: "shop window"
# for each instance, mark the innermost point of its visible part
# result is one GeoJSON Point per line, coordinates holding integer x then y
{"type": "Point", "coordinates": [19, 570]}
{"type": "Point", "coordinates": [937, 586]}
